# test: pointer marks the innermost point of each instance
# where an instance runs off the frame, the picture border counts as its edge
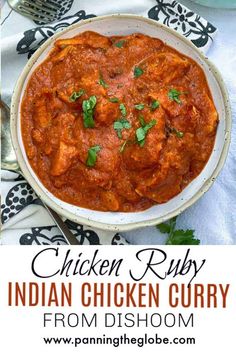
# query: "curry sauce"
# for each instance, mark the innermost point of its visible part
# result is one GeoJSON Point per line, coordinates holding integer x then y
{"type": "Point", "coordinates": [117, 123]}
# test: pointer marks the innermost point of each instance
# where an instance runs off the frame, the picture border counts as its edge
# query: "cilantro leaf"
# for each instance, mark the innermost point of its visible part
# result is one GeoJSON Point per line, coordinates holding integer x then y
{"type": "Point", "coordinates": [174, 94]}
{"type": "Point", "coordinates": [114, 99]}
{"type": "Point", "coordinates": [123, 146]}
{"type": "Point", "coordinates": [140, 134]}
{"type": "Point", "coordinates": [154, 105]}
{"type": "Point", "coordinates": [183, 237]}
{"type": "Point", "coordinates": [92, 155]}
{"type": "Point", "coordinates": [123, 109]}
{"type": "Point", "coordinates": [178, 133]}
{"type": "Point", "coordinates": [120, 43]}
{"type": "Point", "coordinates": [142, 131]}
{"type": "Point", "coordinates": [175, 131]}
{"type": "Point", "coordinates": [177, 237]}
{"type": "Point", "coordinates": [137, 71]}
{"type": "Point", "coordinates": [142, 121]}
{"type": "Point", "coordinates": [121, 124]}
{"type": "Point", "coordinates": [118, 126]}
{"type": "Point", "coordinates": [88, 110]}
{"type": "Point", "coordinates": [163, 228]}
{"type": "Point", "coordinates": [149, 125]}
{"type": "Point", "coordinates": [76, 94]}
{"type": "Point", "coordinates": [139, 106]}
{"type": "Point", "coordinates": [102, 82]}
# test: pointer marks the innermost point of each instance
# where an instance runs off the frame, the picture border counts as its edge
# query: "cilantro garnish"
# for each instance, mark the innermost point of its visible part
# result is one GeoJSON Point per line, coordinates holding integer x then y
{"type": "Point", "coordinates": [88, 109]}
{"type": "Point", "coordinates": [92, 155]}
{"type": "Point", "coordinates": [114, 99]}
{"type": "Point", "coordinates": [102, 82]}
{"type": "Point", "coordinates": [123, 146]}
{"type": "Point", "coordinates": [142, 121]}
{"type": "Point", "coordinates": [154, 105]}
{"type": "Point", "coordinates": [177, 237]}
{"type": "Point", "coordinates": [178, 133]}
{"type": "Point", "coordinates": [121, 124]}
{"type": "Point", "coordinates": [140, 136]}
{"type": "Point", "coordinates": [174, 94]}
{"type": "Point", "coordinates": [137, 71]}
{"type": "Point", "coordinates": [175, 131]}
{"type": "Point", "coordinates": [123, 109]}
{"type": "Point", "coordinates": [76, 94]}
{"type": "Point", "coordinates": [142, 131]}
{"type": "Point", "coordinates": [139, 106]}
{"type": "Point", "coordinates": [120, 43]}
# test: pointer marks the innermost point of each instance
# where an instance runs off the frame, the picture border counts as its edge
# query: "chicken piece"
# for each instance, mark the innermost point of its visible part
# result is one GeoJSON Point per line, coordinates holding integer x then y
{"type": "Point", "coordinates": [137, 46]}
{"type": "Point", "coordinates": [193, 117]}
{"type": "Point", "coordinates": [140, 41]}
{"type": "Point", "coordinates": [47, 148]}
{"type": "Point", "coordinates": [124, 187]}
{"type": "Point", "coordinates": [209, 119]}
{"type": "Point", "coordinates": [62, 54]}
{"type": "Point", "coordinates": [31, 152]}
{"type": "Point", "coordinates": [61, 130]}
{"type": "Point", "coordinates": [165, 181]}
{"type": "Point", "coordinates": [105, 169]}
{"type": "Point", "coordinates": [42, 116]}
{"type": "Point", "coordinates": [63, 43]}
{"type": "Point", "coordinates": [97, 178]}
{"type": "Point", "coordinates": [66, 122]}
{"type": "Point", "coordinates": [139, 157]}
{"type": "Point", "coordinates": [90, 38]}
{"type": "Point", "coordinates": [170, 187]}
{"type": "Point", "coordinates": [63, 159]}
{"type": "Point", "coordinates": [184, 122]}
{"type": "Point", "coordinates": [110, 200]}
{"type": "Point", "coordinates": [37, 136]}
{"type": "Point", "coordinates": [65, 93]}
{"type": "Point", "coordinates": [66, 151]}
{"type": "Point", "coordinates": [106, 112]}
{"type": "Point", "coordinates": [55, 104]}
{"type": "Point", "coordinates": [90, 83]}
{"type": "Point", "coordinates": [64, 96]}
{"type": "Point", "coordinates": [172, 108]}
{"type": "Point", "coordinates": [165, 67]}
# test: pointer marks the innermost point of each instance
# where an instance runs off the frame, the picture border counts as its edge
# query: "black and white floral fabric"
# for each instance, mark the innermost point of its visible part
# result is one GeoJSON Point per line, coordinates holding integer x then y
{"type": "Point", "coordinates": [20, 205]}
{"type": "Point", "coordinates": [18, 197]}
{"type": "Point", "coordinates": [33, 38]}
{"type": "Point", "coordinates": [178, 17]}
{"type": "Point", "coordinates": [24, 220]}
{"type": "Point", "coordinates": [171, 13]}
{"type": "Point", "coordinates": [48, 235]}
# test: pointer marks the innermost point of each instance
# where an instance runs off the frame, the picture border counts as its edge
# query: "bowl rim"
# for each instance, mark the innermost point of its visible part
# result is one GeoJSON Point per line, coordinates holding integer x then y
{"type": "Point", "coordinates": [87, 221]}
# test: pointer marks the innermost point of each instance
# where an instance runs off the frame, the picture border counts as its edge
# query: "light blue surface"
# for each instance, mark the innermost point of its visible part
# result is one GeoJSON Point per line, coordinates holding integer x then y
{"type": "Point", "coordinates": [217, 3]}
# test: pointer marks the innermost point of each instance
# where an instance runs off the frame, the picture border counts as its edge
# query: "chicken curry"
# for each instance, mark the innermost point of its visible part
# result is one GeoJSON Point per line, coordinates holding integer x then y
{"type": "Point", "coordinates": [117, 123]}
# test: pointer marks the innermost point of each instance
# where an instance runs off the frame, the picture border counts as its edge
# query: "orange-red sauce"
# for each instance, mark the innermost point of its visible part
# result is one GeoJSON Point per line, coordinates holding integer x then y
{"type": "Point", "coordinates": [153, 83]}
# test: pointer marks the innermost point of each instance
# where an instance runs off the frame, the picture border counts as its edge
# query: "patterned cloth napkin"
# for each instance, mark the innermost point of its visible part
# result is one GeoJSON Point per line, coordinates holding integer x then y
{"type": "Point", "coordinates": [24, 219]}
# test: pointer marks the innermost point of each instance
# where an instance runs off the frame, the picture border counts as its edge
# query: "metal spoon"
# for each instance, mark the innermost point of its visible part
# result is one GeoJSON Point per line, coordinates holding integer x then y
{"type": "Point", "coordinates": [9, 162]}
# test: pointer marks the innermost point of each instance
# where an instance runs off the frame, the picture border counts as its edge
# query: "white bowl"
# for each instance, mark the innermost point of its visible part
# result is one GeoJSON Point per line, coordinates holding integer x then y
{"type": "Point", "coordinates": [117, 221]}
